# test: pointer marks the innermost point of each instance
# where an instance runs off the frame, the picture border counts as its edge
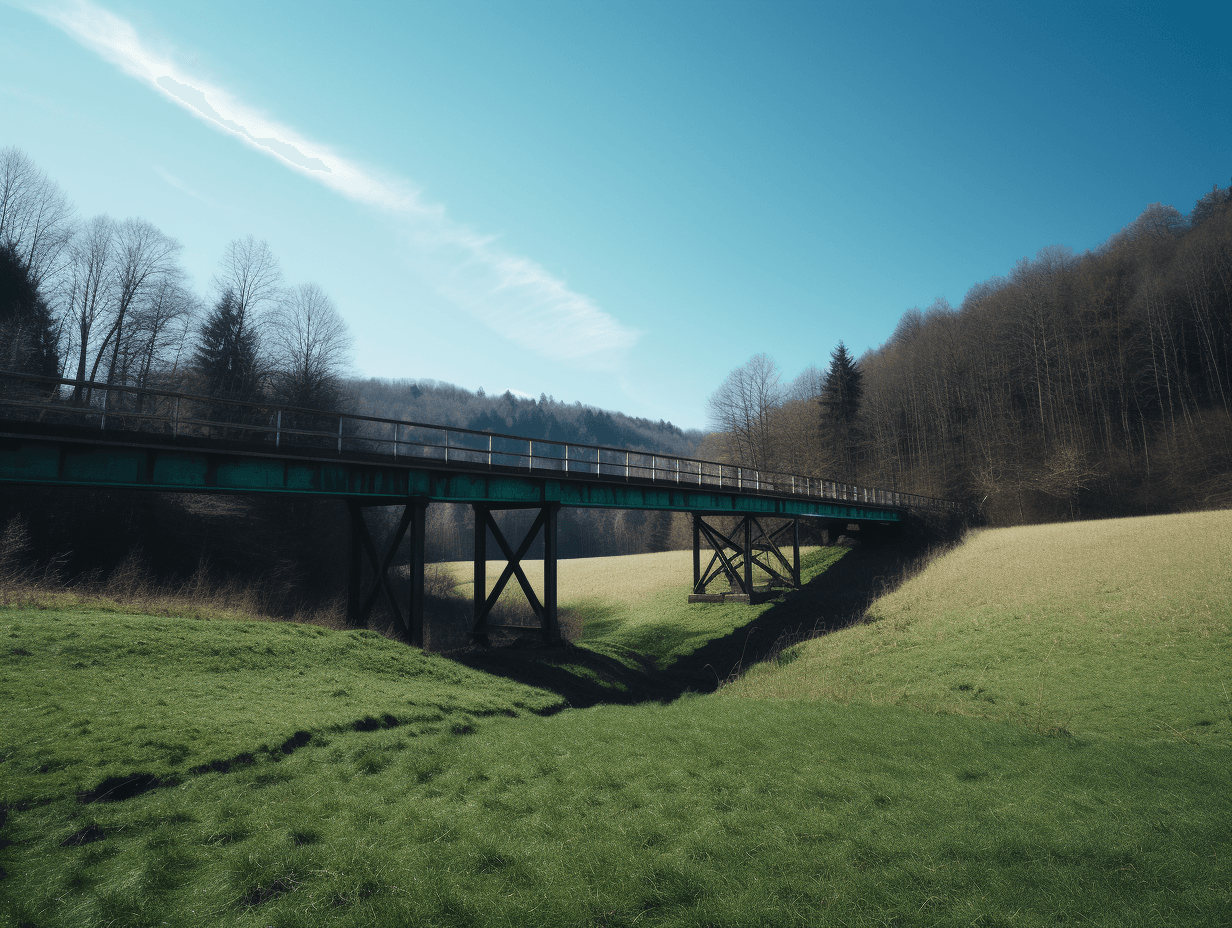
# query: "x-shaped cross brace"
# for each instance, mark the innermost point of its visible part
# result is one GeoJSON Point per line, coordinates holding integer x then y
{"type": "Point", "coordinates": [361, 540]}
{"type": "Point", "coordinates": [745, 553]}
{"type": "Point", "coordinates": [545, 610]}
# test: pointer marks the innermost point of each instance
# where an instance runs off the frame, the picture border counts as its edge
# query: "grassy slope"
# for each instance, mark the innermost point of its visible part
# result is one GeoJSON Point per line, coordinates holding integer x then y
{"type": "Point", "coordinates": [1119, 627]}
{"type": "Point", "coordinates": [710, 811]}
{"type": "Point", "coordinates": [89, 694]}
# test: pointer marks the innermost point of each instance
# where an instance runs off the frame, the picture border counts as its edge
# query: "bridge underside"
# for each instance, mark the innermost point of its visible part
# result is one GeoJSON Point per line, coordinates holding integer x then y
{"type": "Point", "coordinates": [64, 456]}
{"type": "Point", "coordinates": [736, 553]}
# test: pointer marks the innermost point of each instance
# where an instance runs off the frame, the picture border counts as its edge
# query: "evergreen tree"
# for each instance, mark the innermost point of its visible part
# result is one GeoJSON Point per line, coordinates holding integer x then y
{"type": "Point", "coordinates": [227, 359]}
{"type": "Point", "coordinates": [27, 335]}
{"type": "Point", "coordinates": [840, 411]}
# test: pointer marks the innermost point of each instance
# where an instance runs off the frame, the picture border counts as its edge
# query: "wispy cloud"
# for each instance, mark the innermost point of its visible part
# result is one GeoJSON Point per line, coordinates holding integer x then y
{"type": "Point", "coordinates": [512, 295]}
{"type": "Point", "coordinates": [180, 185]}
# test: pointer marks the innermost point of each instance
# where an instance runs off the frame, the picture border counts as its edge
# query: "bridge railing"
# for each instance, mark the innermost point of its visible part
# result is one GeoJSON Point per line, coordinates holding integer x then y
{"type": "Point", "coordinates": [177, 414]}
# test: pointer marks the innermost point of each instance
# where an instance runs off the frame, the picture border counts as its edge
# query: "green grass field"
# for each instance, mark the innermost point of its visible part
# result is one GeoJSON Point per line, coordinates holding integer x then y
{"type": "Point", "coordinates": [637, 606]}
{"type": "Point", "coordinates": [945, 764]}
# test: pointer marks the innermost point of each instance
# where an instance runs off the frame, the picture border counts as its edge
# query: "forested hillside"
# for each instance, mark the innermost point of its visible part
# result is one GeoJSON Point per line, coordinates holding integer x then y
{"type": "Point", "coordinates": [445, 404]}
{"type": "Point", "coordinates": [1076, 385]}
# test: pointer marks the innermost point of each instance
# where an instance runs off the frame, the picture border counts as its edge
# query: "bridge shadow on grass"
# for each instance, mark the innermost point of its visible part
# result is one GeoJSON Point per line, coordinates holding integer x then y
{"type": "Point", "coordinates": [584, 677]}
{"type": "Point", "coordinates": [580, 675]}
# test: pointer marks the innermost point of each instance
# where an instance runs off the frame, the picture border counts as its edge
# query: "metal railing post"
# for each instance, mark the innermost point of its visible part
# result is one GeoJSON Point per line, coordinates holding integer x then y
{"type": "Point", "coordinates": [446, 446]}
{"type": "Point", "coordinates": [677, 470]}
{"type": "Point", "coordinates": [626, 465]}
{"type": "Point", "coordinates": [397, 425]}
{"type": "Point", "coordinates": [340, 434]}
{"type": "Point", "coordinates": [652, 467]}
{"type": "Point", "coordinates": [278, 429]}
{"type": "Point", "coordinates": [566, 457]}
{"type": "Point", "coordinates": [489, 452]}
{"type": "Point", "coordinates": [175, 428]}
{"type": "Point", "coordinates": [530, 455]}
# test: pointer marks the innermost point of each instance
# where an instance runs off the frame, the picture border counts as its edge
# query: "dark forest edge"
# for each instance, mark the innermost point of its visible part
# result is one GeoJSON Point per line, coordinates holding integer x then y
{"type": "Point", "coordinates": [1079, 385]}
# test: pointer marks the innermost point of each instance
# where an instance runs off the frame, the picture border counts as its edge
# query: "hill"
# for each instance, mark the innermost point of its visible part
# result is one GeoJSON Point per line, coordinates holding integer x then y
{"type": "Point", "coordinates": [546, 418]}
{"type": "Point", "coordinates": [1119, 627]}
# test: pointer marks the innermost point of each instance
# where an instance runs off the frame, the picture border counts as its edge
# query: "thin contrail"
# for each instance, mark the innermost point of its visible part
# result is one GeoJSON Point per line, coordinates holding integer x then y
{"type": "Point", "coordinates": [513, 295]}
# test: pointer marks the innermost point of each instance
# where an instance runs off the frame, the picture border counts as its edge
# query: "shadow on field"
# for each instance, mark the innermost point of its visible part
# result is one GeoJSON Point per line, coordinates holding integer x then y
{"type": "Point", "coordinates": [832, 600]}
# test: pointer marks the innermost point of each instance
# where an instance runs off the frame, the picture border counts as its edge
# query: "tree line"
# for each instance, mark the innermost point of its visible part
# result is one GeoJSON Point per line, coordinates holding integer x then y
{"type": "Point", "coordinates": [107, 301]}
{"type": "Point", "coordinates": [1076, 385]}
{"type": "Point", "coordinates": [101, 300]}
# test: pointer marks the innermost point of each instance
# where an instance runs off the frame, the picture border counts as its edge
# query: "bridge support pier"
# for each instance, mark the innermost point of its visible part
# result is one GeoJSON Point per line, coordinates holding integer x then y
{"type": "Point", "coordinates": [359, 604]}
{"type": "Point", "coordinates": [735, 554]}
{"type": "Point", "coordinates": [545, 611]}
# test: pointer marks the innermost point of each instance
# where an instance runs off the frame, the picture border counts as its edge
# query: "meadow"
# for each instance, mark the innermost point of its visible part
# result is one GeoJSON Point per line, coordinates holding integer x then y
{"type": "Point", "coordinates": [635, 608]}
{"type": "Point", "coordinates": [945, 763]}
{"type": "Point", "coordinates": [1121, 626]}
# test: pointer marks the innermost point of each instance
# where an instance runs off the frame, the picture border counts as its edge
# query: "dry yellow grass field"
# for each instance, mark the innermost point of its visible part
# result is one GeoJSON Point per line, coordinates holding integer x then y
{"type": "Point", "coordinates": [1097, 568]}
{"type": "Point", "coordinates": [626, 580]}
{"type": "Point", "coordinates": [1111, 625]}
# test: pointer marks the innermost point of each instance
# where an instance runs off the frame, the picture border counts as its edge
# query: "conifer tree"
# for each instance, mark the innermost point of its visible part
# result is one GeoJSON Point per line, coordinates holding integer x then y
{"type": "Point", "coordinates": [27, 335]}
{"type": "Point", "coordinates": [227, 359]}
{"type": "Point", "coordinates": [841, 392]}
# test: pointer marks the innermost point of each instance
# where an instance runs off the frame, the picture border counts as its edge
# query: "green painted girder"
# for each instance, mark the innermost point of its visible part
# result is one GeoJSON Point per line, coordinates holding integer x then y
{"type": "Point", "coordinates": [52, 462]}
{"type": "Point", "coordinates": [67, 462]}
{"type": "Point", "coordinates": [710, 500]}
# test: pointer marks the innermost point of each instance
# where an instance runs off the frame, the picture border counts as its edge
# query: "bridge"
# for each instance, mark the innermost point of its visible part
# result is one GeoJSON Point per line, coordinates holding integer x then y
{"type": "Point", "coordinates": [59, 432]}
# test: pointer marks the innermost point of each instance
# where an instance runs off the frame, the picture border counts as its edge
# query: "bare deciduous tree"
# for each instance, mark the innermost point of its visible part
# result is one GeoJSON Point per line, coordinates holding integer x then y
{"type": "Point", "coordinates": [36, 217]}
{"type": "Point", "coordinates": [143, 257]}
{"type": "Point", "coordinates": [159, 333]}
{"type": "Point", "coordinates": [742, 409]}
{"type": "Point", "coordinates": [310, 347]}
{"type": "Point", "coordinates": [251, 273]}
{"type": "Point", "coordinates": [89, 285]}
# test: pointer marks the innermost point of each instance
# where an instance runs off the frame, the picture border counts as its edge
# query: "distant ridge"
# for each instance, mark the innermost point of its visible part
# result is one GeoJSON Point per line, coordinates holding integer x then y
{"type": "Point", "coordinates": [440, 403]}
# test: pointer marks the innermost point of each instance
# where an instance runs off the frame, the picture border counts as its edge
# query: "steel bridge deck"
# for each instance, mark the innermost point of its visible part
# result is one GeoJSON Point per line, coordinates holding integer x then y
{"type": "Point", "coordinates": [38, 455]}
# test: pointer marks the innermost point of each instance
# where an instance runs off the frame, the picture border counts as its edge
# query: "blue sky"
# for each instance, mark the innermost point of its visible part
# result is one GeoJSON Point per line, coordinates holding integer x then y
{"type": "Point", "coordinates": [618, 203]}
